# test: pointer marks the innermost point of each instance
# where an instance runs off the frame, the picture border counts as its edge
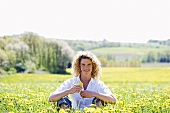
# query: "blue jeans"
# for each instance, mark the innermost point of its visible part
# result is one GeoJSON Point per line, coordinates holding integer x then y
{"type": "Point", "coordinates": [64, 100]}
{"type": "Point", "coordinates": [68, 102]}
{"type": "Point", "coordinates": [95, 100]}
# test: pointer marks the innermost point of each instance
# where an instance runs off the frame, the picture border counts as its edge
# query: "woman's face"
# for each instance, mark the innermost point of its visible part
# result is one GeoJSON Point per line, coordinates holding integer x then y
{"type": "Point", "coordinates": [86, 67]}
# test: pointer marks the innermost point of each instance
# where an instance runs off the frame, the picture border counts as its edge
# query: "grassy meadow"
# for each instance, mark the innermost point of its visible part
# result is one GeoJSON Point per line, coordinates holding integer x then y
{"type": "Point", "coordinates": [138, 90]}
{"type": "Point", "coordinates": [125, 50]}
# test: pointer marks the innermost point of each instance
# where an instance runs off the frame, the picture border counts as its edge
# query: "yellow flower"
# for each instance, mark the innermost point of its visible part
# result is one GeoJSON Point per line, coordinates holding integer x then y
{"type": "Point", "coordinates": [80, 84]}
{"type": "Point", "coordinates": [11, 104]}
{"type": "Point", "coordinates": [121, 102]}
{"type": "Point", "coordinates": [61, 111]}
{"type": "Point", "coordinates": [98, 110]}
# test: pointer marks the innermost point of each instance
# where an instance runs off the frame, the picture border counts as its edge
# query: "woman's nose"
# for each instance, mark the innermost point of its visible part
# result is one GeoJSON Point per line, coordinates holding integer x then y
{"type": "Point", "coordinates": [86, 66]}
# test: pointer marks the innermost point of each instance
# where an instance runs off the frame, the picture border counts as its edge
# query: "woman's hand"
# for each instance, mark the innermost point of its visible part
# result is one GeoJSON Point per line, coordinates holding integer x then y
{"type": "Point", "coordinates": [87, 94]}
{"type": "Point", "coordinates": [75, 89]}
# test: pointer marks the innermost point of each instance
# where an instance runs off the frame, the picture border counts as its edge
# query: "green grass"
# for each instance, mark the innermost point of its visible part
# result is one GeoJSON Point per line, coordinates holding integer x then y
{"type": "Point", "coordinates": [136, 74]}
{"type": "Point", "coordinates": [125, 50]}
{"type": "Point", "coordinates": [139, 90]}
{"type": "Point", "coordinates": [109, 74]}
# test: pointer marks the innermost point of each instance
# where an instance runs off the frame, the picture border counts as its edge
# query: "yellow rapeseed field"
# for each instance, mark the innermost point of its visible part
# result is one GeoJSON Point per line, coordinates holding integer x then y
{"type": "Point", "coordinates": [138, 90]}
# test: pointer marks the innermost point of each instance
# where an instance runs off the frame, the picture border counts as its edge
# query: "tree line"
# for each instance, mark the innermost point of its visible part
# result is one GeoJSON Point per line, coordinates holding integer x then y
{"type": "Point", "coordinates": [29, 52]}
{"type": "Point", "coordinates": [86, 45]}
{"type": "Point", "coordinates": [110, 60]}
{"type": "Point", "coordinates": [162, 57]}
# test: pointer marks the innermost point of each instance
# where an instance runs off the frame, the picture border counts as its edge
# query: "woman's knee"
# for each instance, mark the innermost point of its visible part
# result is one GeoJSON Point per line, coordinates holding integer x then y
{"type": "Point", "coordinates": [64, 103]}
{"type": "Point", "coordinates": [98, 102]}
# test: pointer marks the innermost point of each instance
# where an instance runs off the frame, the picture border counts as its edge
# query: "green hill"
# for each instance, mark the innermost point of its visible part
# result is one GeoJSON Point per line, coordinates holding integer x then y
{"type": "Point", "coordinates": [127, 52]}
{"type": "Point", "coordinates": [116, 54]}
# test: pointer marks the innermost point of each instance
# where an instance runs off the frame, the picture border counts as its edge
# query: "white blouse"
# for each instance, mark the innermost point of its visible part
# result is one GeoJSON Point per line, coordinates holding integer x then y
{"type": "Point", "coordinates": [95, 85]}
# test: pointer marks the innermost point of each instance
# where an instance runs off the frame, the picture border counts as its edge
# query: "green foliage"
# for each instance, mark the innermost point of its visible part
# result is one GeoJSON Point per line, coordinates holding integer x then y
{"type": "Point", "coordinates": [12, 71]}
{"type": "Point", "coordinates": [124, 54]}
{"type": "Point", "coordinates": [165, 42]}
{"type": "Point", "coordinates": [160, 56]}
{"type": "Point", "coordinates": [103, 61]}
{"type": "Point", "coordinates": [3, 59]}
{"type": "Point", "coordinates": [20, 67]}
{"type": "Point", "coordinates": [83, 45]}
{"type": "Point", "coordinates": [2, 72]}
{"type": "Point", "coordinates": [139, 55]}
{"type": "Point", "coordinates": [30, 67]}
{"type": "Point", "coordinates": [27, 52]}
{"type": "Point", "coordinates": [55, 55]}
{"type": "Point", "coordinates": [42, 68]}
{"type": "Point", "coordinates": [2, 43]}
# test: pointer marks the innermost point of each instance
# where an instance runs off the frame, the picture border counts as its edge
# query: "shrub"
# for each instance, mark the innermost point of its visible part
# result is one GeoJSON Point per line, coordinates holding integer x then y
{"type": "Point", "coordinates": [30, 67]}
{"type": "Point", "coordinates": [2, 72]}
{"type": "Point", "coordinates": [12, 71]}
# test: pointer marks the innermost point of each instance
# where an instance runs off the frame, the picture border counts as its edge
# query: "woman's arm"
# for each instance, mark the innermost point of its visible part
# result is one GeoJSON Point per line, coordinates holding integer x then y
{"type": "Point", "coordinates": [104, 97]}
{"type": "Point", "coordinates": [57, 96]}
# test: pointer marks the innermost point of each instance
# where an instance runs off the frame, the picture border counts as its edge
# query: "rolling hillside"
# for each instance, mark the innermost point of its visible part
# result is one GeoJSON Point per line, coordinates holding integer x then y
{"type": "Point", "coordinates": [126, 52]}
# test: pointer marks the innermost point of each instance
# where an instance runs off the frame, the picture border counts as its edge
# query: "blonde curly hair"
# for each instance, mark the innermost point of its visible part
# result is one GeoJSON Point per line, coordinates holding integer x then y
{"type": "Point", "coordinates": [96, 65]}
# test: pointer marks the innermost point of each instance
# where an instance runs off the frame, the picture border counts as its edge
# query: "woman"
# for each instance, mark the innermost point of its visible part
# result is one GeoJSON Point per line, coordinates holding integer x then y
{"type": "Point", "coordinates": [87, 69]}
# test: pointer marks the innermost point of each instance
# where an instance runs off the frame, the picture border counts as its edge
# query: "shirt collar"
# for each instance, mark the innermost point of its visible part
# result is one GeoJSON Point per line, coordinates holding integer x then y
{"type": "Point", "coordinates": [92, 79]}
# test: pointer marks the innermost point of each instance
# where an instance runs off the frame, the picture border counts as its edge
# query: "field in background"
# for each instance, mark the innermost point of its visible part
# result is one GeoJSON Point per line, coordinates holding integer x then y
{"type": "Point", "coordinates": [128, 50]}
{"type": "Point", "coordinates": [125, 53]}
{"type": "Point", "coordinates": [137, 89]}
{"type": "Point", "coordinates": [155, 65]}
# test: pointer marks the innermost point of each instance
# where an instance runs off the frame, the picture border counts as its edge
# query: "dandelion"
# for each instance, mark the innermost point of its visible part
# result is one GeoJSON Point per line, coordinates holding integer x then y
{"type": "Point", "coordinates": [106, 108]}
{"type": "Point", "coordinates": [22, 111]}
{"type": "Point", "coordinates": [77, 111]}
{"type": "Point", "coordinates": [133, 94]}
{"type": "Point", "coordinates": [11, 104]}
{"type": "Point", "coordinates": [98, 110]}
{"type": "Point", "coordinates": [67, 110]}
{"type": "Point", "coordinates": [168, 100]}
{"type": "Point", "coordinates": [61, 111]}
{"type": "Point", "coordinates": [121, 102]}
{"type": "Point", "coordinates": [32, 97]}
{"type": "Point", "coordinates": [92, 105]}
{"type": "Point", "coordinates": [89, 110]}
{"type": "Point", "coordinates": [80, 84]}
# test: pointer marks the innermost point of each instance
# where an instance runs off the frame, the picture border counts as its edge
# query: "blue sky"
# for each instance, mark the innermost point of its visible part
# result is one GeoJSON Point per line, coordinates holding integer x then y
{"type": "Point", "coordinates": [115, 20]}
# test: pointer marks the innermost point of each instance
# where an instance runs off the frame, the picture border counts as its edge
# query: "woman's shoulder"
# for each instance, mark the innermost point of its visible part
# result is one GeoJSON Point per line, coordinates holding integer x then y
{"type": "Point", "coordinates": [98, 81]}
{"type": "Point", "coordinates": [70, 80]}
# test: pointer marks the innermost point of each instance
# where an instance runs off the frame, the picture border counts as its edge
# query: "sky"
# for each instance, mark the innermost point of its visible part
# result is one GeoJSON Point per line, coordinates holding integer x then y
{"type": "Point", "coordinates": [135, 21]}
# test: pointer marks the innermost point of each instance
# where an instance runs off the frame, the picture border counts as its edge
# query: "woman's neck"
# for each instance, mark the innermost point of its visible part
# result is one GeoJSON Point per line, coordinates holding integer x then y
{"type": "Point", "coordinates": [85, 79]}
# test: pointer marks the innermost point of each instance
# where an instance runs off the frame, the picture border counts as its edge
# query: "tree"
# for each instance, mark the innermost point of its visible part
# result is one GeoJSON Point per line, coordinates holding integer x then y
{"type": "Point", "coordinates": [151, 57]}
{"type": "Point", "coordinates": [2, 43]}
{"type": "Point", "coordinates": [3, 59]}
{"type": "Point", "coordinates": [103, 61]}
{"type": "Point", "coordinates": [11, 58]}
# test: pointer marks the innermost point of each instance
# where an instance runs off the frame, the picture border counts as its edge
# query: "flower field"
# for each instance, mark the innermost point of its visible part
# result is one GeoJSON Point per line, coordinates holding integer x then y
{"type": "Point", "coordinates": [138, 90]}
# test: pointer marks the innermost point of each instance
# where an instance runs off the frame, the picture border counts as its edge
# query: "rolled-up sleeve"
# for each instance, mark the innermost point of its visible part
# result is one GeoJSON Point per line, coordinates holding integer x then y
{"type": "Point", "coordinates": [104, 89]}
{"type": "Point", "coordinates": [64, 86]}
